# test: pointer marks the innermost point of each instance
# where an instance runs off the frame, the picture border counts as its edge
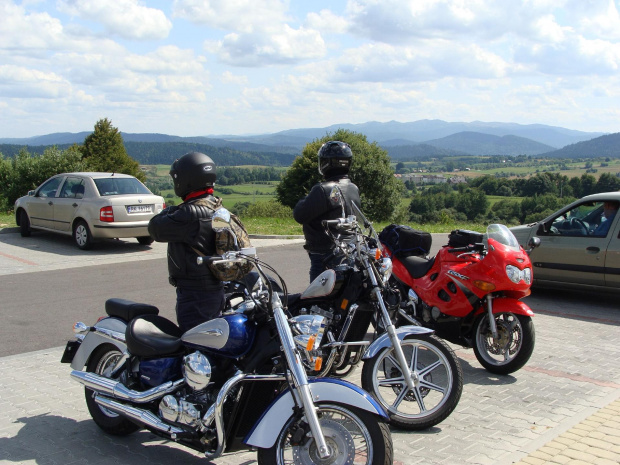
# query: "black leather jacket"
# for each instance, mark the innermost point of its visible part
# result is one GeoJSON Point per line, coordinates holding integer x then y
{"type": "Point", "coordinates": [186, 227]}
{"type": "Point", "coordinates": [317, 206]}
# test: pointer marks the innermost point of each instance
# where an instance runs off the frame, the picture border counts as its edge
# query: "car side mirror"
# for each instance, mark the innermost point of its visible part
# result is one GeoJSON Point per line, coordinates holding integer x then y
{"type": "Point", "coordinates": [31, 193]}
{"type": "Point", "coordinates": [532, 244]}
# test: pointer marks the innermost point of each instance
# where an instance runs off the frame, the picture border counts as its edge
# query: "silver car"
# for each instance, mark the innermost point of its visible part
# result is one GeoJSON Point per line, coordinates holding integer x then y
{"type": "Point", "coordinates": [579, 245]}
{"type": "Point", "coordinates": [90, 206]}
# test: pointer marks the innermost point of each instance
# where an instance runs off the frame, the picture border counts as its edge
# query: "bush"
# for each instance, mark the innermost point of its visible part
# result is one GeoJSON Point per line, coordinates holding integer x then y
{"type": "Point", "coordinates": [271, 209]}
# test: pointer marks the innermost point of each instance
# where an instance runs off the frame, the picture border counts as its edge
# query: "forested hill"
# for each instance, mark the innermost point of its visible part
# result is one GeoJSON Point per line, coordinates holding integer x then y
{"type": "Point", "coordinates": [164, 153]}
{"type": "Point", "coordinates": [603, 146]}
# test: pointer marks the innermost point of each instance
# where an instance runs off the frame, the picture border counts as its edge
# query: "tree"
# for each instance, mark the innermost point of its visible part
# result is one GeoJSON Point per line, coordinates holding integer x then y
{"type": "Point", "coordinates": [26, 171]}
{"type": "Point", "coordinates": [103, 150]}
{"type": "Point", "coordinates": [607, 182]}
{"type": "Point", "coordinates": [380, 191]}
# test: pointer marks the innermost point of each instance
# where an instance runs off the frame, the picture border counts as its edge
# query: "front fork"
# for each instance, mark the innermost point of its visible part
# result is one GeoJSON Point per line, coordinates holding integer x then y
{"type": "Point", "coordinates": [492, 324]}
{"type": "Point", "coordinates": [389, 327]}
{"type": "Point", "coordinates": [299, 377]}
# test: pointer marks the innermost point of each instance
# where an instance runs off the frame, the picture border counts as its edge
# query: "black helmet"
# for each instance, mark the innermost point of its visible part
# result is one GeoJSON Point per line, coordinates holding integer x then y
{"type": "Point", "coordinates": [335, 158]}
{"type": "Point", "coordinates": [192, 172]}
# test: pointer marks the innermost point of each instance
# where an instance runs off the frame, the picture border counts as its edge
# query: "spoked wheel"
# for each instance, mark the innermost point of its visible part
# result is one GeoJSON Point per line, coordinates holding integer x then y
{"type": "Point", "coordinates": [353, 437]}
{"type": "Point", "coordinates": [513, 347]}
{"type": "Point", "coordinates": [437, 382]}
{"type": "Point", "coordinates": [101, 362]}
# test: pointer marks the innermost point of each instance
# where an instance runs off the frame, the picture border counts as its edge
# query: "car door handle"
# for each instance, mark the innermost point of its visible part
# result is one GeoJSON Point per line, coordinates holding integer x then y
{"type": "Point", "coordinates": [593, 249]}
{"type": "Point", "coordinates": [74, 205]}
{"type": "Point", "coordinates": [50, 203]}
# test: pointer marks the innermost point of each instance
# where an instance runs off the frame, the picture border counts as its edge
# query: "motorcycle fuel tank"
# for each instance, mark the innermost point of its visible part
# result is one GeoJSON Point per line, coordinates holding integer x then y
{"type": "Point", "coordinates": [230, 335]}
{"type": "Point", "coordinates": [328, 282]}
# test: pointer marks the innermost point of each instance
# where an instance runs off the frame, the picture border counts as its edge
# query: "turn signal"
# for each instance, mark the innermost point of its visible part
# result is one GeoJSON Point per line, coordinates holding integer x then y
{"type": "Point", "coordinates": [311, 342]}
{"type": "Point", "coordinates": [485, 286]}
{"type": "Point", "coordinates": [318, 363]}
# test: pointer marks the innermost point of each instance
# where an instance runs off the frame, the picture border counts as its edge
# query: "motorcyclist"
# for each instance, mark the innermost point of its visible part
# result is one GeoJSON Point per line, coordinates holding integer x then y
{"type": "Point", "coordinates": [325, 201]}
{"type": "Point", "coordinates": [187, 230]}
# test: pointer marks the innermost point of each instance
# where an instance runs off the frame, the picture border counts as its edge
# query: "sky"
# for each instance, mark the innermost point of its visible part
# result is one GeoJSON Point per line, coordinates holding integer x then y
{"type": "Point", "coordinates": [235, 67]}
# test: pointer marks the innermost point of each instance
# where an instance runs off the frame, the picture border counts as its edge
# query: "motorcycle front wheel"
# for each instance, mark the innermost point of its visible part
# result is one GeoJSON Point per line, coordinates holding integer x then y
{"type": "Point", "coordinates": [513, 347]}
{"type": "Point", "coordinates": [437, 378]}
{"type": "Point", "coordinates": [353, 436]}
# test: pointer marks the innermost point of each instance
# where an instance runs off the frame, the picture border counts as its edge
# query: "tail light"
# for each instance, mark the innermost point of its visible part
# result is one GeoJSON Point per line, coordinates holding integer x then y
{"type": "Point", "coordinates": [106, 214]}
{"type": "Point", "coordinates": [164, 205]}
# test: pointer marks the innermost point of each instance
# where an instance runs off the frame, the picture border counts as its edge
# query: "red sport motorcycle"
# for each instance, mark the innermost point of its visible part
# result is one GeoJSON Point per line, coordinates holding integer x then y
{"type": "Point", "coordinates": [469, 293]}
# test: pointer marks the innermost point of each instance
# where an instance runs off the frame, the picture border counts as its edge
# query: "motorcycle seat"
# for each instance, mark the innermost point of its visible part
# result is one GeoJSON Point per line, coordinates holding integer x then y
{"type": "Point", "coordinates": [417, 266]}
{"type": "Point", "coordinates": [128, 310]}
{"type": "Point", "coordinates": [152, 336]}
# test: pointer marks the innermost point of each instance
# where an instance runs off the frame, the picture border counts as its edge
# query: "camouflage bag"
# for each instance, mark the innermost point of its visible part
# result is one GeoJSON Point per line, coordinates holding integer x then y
{"type": "Point", "coordinates": [230, 235]}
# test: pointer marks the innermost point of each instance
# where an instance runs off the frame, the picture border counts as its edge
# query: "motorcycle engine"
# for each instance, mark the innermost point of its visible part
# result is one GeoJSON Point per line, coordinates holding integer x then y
{"type": "Point", "coordinates": [197, 371]}
{"type": "Point", "coordinates": [179, 411]}
{"type": "Point", "coordinates": [187, 408]}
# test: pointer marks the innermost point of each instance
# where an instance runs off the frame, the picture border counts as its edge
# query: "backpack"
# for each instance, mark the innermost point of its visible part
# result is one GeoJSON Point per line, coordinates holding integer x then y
{"type": "Point", "coordinates": [404, 241]}
{"type": "Point", "coordinates": [234, 237]}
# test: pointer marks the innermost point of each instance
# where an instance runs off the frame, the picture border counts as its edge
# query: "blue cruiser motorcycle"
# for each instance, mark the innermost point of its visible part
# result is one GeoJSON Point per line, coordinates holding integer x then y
{"type": "Point", "coordinates": [236, 382]}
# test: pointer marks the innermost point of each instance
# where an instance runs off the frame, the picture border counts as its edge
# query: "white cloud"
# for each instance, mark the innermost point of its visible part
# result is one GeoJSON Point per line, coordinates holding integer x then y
{"type": "Point", "coordinates": [129, 19]}
{"type": "Point", "coordinates": [245, 16]}
{"type": "Point", "coordinates": [18, 82]}
{"type": "Point", "coordinates": [261, 34]}
{"type": "Point", "coordinates": [287, 46]}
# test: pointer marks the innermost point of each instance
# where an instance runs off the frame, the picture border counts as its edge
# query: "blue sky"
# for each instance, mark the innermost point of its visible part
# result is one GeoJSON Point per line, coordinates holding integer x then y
{"type": "Point", "coordinates": [212, 67]}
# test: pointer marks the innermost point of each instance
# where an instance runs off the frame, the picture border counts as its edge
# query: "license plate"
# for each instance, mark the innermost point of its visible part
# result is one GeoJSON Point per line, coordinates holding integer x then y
{"type": "Point", "coordinates": [139, 208]}
{"type": "Point", "coordinates": [70, 350]}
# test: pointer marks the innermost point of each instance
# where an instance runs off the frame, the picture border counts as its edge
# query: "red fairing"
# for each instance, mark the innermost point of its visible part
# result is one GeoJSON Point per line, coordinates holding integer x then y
{"type": "Point", "coordinates": [465, 271]}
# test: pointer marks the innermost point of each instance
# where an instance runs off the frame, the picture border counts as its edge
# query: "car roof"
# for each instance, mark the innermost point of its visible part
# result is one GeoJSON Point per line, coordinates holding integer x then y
{"type": "Point", "coordinates": [602, 196]}
{"type": "Point", "coordinates": [97, 175]}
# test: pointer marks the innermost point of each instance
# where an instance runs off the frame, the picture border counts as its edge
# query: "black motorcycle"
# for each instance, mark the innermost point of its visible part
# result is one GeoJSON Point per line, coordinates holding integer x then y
{"type": "Point", "coordinates": [412, 373]}
{"type": "Point", "coordinates": [232, 383]}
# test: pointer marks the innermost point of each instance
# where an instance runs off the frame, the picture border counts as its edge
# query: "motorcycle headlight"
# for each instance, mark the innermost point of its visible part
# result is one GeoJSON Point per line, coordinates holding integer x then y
{"type": "Point", "coordinates": [307, 327]}
{"type": "Point", "coordinates": [308, 333]}
{"type": "Point", "coordinates": [385, 268]}
{"type": "Point", "coordinates": [516, 275]}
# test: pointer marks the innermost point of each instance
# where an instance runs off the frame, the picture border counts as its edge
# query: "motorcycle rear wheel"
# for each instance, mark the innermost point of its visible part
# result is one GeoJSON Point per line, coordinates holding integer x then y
{"type": "Point", "coordinates": [104, 357]}
{"type": "Point", "coordinates": [438, 380]}
{"type": "Point", "coordinates": [514, 347]}
{"type": "Point", "coordinates": [353, 435]}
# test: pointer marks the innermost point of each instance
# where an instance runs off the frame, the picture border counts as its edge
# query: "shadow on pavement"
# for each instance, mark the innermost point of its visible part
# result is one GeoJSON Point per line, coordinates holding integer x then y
{"type": "Point", "coordinates": [48, 438]}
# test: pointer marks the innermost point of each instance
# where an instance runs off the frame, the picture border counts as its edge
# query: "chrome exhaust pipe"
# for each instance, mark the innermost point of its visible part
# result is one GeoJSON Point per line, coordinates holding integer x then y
{"type": "Point", "coordinates": [137, 415]}
{"type": "Point", "coordinates": [115, 389]}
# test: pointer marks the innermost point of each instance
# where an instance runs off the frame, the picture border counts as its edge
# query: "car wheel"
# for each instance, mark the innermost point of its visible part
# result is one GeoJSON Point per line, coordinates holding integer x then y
{"type": "Point", "coordinates": [145, 240]}
{"type": "Point", "coordinates": [24, 224]}
{"type": "Point", "coordinates": [82, 236]}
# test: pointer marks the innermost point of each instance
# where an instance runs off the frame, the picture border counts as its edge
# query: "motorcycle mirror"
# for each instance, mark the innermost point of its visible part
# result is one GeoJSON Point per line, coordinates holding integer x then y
{"type": "Point", "coordinates": [221, 218]}
{"type": "Point", "coordinates": [336, 197]}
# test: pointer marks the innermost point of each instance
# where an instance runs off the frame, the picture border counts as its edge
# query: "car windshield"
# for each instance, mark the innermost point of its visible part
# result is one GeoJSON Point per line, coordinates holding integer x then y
{"type": "Point", "coordinates": [120, 186]}
{"type": "Point", "coordinates": [501, 234]}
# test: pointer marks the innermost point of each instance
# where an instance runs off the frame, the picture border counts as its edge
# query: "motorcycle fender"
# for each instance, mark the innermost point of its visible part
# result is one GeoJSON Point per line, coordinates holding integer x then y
{"type": "Point", "coordinates": [324, 390]}
{"type": "Point", "coordinates": [93, 339]}
{"type": "Point", "coordinates": [508, 305]}
{"type": "Point", "coordinates": [383, 341]}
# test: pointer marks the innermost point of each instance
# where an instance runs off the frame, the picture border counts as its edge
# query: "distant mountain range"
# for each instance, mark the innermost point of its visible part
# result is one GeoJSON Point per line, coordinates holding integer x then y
{"type": "Point", "coordinates": [424, 138]}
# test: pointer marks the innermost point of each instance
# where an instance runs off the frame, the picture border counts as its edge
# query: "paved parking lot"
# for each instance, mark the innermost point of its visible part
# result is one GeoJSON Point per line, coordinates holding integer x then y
{"type": "Point", "coordinates": [566, 396]}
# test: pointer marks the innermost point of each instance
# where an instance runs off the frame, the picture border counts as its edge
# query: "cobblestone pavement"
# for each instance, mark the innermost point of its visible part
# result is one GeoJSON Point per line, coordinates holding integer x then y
{"type": "Point", "coordinates": [561, 408]}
